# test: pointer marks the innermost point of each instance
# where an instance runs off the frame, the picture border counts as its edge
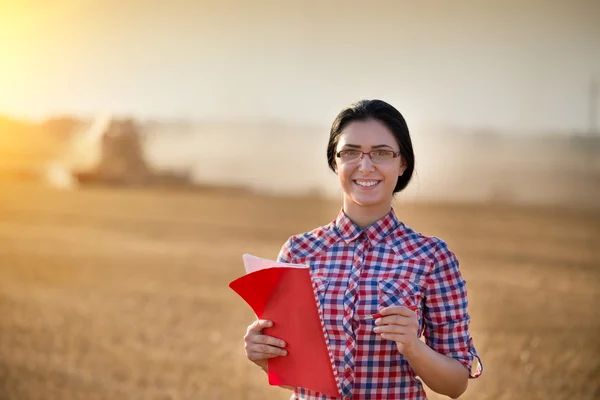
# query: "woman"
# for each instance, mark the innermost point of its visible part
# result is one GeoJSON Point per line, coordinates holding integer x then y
{"type": "Point", "coordinates": [367, 262]}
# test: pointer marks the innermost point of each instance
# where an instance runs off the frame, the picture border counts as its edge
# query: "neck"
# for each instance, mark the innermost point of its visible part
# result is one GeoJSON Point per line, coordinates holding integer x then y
{"type": "Point", "coordinates": [365, 216]}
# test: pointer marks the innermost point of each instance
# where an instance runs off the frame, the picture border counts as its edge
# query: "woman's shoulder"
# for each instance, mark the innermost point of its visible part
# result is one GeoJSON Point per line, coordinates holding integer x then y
{"type": "Point", "coordinates": [407, 237]}
{"type": "Point", "coordinates": [305, 244]}
{"type": "Point", "coordinates": [414, 245]}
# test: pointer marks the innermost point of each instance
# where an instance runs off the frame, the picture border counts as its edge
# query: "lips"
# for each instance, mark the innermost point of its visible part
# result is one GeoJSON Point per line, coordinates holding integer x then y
{"type": "Point", "coordinates": [366, 183]}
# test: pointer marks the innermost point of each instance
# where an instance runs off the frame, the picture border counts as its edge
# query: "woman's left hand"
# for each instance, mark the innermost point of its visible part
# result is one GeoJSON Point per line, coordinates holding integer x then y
{"type": "Point", "coordinates": [399, 324]}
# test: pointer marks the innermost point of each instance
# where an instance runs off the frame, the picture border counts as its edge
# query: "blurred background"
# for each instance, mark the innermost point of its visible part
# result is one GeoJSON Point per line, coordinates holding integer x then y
{"type": "Point", "coordinates": [146, 145]}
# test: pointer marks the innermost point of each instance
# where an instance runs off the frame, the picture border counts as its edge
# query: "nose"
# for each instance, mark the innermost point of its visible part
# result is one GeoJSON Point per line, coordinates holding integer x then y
{"type": "Point", "coordinates": [365, 164]}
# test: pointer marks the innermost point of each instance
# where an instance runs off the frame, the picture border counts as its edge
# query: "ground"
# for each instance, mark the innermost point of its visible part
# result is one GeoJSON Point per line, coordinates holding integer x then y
{"type": "Point", "coordinates": [122, 293]}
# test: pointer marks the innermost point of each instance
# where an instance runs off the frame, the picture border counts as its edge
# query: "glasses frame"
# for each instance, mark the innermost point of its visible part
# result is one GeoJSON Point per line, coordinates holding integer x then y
{"type": "Point", "coordinates": [396, 154]}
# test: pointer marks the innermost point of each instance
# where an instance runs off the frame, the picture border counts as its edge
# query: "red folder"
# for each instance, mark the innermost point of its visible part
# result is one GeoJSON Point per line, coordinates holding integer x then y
{"type": "Point", "coordinates": [285, 294]}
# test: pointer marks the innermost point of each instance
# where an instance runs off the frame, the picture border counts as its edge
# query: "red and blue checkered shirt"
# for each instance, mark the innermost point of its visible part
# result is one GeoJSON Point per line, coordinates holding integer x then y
{"type": "Point", "coordinates": [358, 272]}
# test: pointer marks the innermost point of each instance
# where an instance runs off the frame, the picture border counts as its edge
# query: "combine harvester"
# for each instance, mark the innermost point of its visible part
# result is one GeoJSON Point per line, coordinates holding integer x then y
{"type": "Point", "coordinates": [107, 151]}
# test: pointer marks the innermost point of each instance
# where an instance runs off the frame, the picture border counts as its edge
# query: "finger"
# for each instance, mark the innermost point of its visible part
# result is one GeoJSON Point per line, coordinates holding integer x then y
{"type": "Point", "coordinates": [396, 337]}
{"type": "Point", "coordinates": [259, 325]}
{"type": "Point", "coordinates": [399, 310]}
{"type": "Point", "coordinates": [268, 340]}
{"type": "Point", "coordinates": [393, 329]}
{"type": "Point", "coordinates": [395, 319]}
{"type": "Point", "coordinates": [256, 356]}
{"type": "Point", "coordinates": [266, 349]}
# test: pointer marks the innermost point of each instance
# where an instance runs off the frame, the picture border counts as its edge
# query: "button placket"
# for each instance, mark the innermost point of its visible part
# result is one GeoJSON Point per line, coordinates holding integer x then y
{"type": "Point", "coordinates": [347, 382]}
{"type": "Point", "coordinates": [350, 305]}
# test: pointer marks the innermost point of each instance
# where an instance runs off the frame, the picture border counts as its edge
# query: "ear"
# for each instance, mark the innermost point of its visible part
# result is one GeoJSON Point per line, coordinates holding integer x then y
{"type": "Point", "coordinates": [403, 166]}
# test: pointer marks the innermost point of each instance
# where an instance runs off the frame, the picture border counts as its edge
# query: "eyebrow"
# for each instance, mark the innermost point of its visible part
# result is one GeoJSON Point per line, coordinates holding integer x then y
{"type": "Point", "coordinates": [378, 146]}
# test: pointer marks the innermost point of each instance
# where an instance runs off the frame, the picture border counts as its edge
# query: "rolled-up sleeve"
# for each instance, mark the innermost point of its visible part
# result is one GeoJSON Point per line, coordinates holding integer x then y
{"type": "Point", "coordinates": [446, 317]}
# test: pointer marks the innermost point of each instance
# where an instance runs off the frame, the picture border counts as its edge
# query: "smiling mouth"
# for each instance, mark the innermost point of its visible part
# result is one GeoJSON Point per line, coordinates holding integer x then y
{"type": "Point", "coordinates": [366, 184]}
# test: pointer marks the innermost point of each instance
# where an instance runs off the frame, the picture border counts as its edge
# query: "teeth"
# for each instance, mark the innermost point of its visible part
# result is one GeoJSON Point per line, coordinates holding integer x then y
{"type": "Point", "coordinates": [366, 183]}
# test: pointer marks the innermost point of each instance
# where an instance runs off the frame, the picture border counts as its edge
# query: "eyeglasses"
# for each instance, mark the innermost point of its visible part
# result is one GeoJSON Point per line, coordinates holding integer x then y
{"type": "Point", "coordinates": [377, 156]}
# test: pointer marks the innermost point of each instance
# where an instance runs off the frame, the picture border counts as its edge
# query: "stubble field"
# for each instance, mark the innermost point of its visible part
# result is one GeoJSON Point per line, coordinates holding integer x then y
{"type": "Point", "coordinates": [122, 294]}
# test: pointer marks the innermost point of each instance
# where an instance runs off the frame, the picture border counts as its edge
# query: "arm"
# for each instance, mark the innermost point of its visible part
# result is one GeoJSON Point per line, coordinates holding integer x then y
{"type": "Point", "coordinates": [260, 347]}
{"type": "Point", "coordinates": [446, 322]}
{"type": "Point", "coordinates": [444, 362]}
{"type": "Point", "coordinates": [441, 373]}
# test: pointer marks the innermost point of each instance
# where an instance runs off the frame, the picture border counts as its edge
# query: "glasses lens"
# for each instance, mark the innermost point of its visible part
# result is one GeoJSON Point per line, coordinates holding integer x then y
{"type": "Point", "coordinates": [381, 156]}
{"type": "Point", "coordinates": [350, 155]}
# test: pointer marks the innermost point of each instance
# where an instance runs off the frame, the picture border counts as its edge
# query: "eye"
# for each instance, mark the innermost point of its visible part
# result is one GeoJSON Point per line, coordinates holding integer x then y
{"type": "Point", "coordinates": [351, 153]}
{"type": "Point", "coordinates": [382, 153]}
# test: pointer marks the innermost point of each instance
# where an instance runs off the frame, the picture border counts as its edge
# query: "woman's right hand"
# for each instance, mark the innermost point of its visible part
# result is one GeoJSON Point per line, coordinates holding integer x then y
{"type": "Point", "coordinates": [261, 347]}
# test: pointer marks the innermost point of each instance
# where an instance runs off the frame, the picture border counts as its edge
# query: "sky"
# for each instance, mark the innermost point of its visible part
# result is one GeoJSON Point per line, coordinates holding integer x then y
{"type": "Point", "coordinates": [513, 66]}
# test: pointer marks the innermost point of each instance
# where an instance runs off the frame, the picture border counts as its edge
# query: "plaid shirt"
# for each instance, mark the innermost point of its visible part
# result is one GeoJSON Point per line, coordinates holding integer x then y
{"type": "Point", "coordinates": [357, 272]}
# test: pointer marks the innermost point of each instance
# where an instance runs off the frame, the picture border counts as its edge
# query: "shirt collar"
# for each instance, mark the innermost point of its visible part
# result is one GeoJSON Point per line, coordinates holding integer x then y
{"type": "Point", "coordinates": [375, 232]}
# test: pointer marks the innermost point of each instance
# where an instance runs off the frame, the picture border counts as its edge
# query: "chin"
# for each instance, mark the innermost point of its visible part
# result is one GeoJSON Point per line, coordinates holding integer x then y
{"type": "Point", "coordinates": [367, 201]}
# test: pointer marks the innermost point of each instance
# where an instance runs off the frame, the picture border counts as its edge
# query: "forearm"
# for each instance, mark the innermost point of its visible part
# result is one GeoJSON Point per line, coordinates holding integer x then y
{"type": "Point", "coordinates": [262, 364]}
{"type": "Point", "coordinates": [440, 373]}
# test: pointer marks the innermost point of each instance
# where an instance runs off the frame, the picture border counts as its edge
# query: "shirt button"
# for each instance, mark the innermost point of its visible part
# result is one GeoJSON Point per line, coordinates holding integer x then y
{"type": "Point", "coordinates": [348, 311]}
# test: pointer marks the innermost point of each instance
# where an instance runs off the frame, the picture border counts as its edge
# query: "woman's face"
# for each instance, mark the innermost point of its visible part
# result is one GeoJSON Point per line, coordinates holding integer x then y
{"type": "Point", "coordinates": [368, 186]}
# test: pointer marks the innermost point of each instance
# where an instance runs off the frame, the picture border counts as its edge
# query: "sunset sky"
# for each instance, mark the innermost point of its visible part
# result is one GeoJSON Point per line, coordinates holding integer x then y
{"type": "Point", "coordinates": [509, 65]}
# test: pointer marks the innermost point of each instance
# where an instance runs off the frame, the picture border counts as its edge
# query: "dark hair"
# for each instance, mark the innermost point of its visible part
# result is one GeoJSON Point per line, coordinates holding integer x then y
{"type": "Point", "coordinates": [386, 114]}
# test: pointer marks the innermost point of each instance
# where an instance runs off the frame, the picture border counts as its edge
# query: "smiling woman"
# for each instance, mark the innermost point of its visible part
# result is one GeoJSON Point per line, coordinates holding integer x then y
{"type": "Point", "coordinates": [368, 182]}
{"type": "Point", "coordinates": [370, 264]}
